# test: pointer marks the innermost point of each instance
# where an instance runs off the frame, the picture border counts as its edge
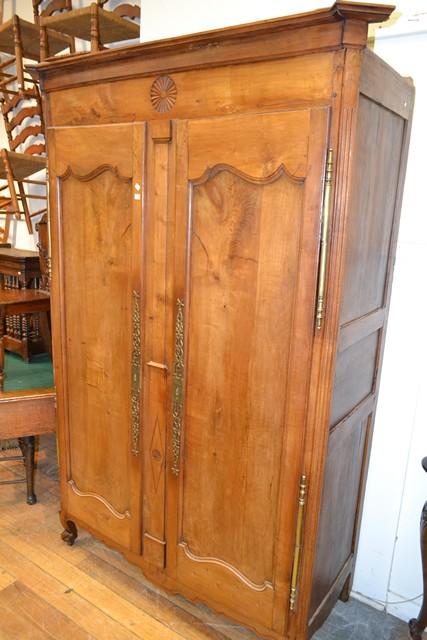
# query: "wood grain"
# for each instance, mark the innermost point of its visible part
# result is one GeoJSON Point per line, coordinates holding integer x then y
{"type": "Point", "coordinates": [65, 600]}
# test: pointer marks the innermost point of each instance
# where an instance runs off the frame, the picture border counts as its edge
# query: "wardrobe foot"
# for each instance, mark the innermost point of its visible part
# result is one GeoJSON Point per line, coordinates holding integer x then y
{"type": "Point", "coordinates": [415, 631]}
{"type": "Point", "coordinates": [69, 534]}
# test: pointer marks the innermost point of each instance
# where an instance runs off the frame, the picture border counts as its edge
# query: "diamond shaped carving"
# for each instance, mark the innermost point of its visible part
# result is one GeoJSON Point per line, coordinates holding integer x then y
{"type": "Point", "coordinates": [157, 454]}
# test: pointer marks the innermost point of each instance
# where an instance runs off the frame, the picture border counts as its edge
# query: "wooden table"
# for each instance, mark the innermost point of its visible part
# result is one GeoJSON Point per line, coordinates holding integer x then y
{"type": "Point", "coordinates": [24, 265]}
{"type": "Point", "coordinates": [417, 625]}
{"type": "Point", "coordinates": [23, 415]}
{"type": "Point", "coordinates": [20, 269]}
{"type": "Point", "coordinates": [14, 302]}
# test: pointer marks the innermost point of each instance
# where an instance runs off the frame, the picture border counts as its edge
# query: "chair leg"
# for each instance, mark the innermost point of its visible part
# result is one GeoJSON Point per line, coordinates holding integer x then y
{"type": "Point", "coordinates": [44, 44]}
{"type": "Point", "coordinates": [4, 235]}
{"type": "Point", "coordinates": [11, 184]}
{"type": "Point", "coordinates": [18, 52]}
{"type": "Point", "coordinates": [27, 213]}
{"type": "Point", "coordinates": [27, 446]}
{"type": "Point", "coordinates": [95, 43]}
{"type": "Point", "coordinates": [417, 625]}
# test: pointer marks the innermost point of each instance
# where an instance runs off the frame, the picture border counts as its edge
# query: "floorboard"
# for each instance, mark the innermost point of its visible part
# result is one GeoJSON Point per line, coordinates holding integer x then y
{"type": "Point", "coordinates": [90, 592]}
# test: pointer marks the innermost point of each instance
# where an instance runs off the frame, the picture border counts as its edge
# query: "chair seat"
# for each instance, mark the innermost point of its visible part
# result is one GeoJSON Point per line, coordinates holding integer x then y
{"type": "Point", "coordinates": [30, 37]}
{"type": "Point", "coordinates": [76, 23]}
{"type": "Point", "coordinates": [22, 165]}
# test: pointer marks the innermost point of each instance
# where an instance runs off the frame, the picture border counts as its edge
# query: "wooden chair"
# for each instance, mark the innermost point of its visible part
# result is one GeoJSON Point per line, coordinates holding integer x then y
{"type": "Point", "coordinates": [23, 119]}
{"type": "Point", "coordinates": [24, 415]}
{"type": "Point", "coordinates": [418, 625]}
{"type": "Point", "coordinates": [93, 24]}
{"type": "Point", "coordinates": [21, 40]}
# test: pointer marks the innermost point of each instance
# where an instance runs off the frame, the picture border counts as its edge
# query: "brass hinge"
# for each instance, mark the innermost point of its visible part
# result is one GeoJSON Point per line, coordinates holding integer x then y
{"type": "Point", "coordinates": [324, 240]}
{"type": "Point", "coordinates": [298, 543]}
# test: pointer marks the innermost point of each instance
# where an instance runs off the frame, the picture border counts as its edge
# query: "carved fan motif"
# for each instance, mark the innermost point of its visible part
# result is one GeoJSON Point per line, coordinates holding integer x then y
{"type": "Point", "coordinates": [163, 94]}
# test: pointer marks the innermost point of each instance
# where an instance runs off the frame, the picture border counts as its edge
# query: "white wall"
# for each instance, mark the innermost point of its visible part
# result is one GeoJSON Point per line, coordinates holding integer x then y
{"type": "Point", "coordinates": [168, 18]}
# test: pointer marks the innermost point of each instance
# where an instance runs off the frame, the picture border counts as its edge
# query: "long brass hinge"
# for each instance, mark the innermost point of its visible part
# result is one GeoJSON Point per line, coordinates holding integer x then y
{"type": "Point", "coordinates": [324, 240]}
{"type": "Point", "coordinates": [298, 543]}
{"type": "Point", "coordinates": [178, 387]}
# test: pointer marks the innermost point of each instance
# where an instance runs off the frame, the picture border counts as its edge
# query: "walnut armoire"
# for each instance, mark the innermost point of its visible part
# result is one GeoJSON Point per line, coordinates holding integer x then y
{"type": "Point", "coordinates": [224, 212]}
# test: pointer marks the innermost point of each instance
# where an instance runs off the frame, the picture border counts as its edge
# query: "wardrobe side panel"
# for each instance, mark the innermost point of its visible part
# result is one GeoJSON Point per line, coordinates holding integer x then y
{"type": "Point", "coordinates": [374, 210]}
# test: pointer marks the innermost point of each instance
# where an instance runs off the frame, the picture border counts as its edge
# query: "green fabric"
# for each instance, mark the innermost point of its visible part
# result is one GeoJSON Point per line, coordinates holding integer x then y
{"type": "Point", "coordinates": [22, 375]}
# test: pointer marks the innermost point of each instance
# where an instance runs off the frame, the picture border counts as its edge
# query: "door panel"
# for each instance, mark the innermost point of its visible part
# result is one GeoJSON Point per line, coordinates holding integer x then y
{"type": "Point", "coordinates": [99, 223]}
{"type": "Point", "coordinates": [239, 324]}
{"type": "Point", "coordinates": [247, 230]}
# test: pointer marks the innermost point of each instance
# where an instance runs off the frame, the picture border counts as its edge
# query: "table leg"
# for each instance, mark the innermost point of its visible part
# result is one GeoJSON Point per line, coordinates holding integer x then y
{"type": "Point", "coordinates": [27, 446]}
{"type": "Point", "coordinates": [417, 625]}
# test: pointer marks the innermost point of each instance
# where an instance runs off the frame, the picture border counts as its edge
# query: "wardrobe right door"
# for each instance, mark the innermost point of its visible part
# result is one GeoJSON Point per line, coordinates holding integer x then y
{"type": "Point", "coordinates": [248, 203]}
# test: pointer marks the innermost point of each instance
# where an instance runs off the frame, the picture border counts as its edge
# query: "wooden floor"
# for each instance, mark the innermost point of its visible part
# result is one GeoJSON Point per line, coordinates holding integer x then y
{"type": "Point", "coordinates": [50, 590]}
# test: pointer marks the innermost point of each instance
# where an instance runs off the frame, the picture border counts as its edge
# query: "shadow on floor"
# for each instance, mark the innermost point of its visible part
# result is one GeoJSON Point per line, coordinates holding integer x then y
{"type": "Point", "coordinates": [354, 620]}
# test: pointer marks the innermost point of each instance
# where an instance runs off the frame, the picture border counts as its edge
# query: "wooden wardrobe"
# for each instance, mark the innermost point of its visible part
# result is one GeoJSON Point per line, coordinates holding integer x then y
{"type": "Point", "coordinates": [224, 212]}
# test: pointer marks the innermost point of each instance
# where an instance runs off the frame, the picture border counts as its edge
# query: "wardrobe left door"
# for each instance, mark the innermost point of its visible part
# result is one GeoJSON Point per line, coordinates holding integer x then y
{"type": "Point", "coordinates": [96, 177]}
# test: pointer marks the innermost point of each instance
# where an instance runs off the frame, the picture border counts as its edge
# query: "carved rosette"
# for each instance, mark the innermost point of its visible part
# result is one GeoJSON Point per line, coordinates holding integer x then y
{"type": "Point", "coordinates": [163, 94]}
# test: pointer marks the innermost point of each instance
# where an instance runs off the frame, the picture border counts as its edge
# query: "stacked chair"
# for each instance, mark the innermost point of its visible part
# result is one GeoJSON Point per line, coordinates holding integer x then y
{"type": "Point", "coordinates": [93, 24]}
{"type": "Point", "coordinates": [55, 28]}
